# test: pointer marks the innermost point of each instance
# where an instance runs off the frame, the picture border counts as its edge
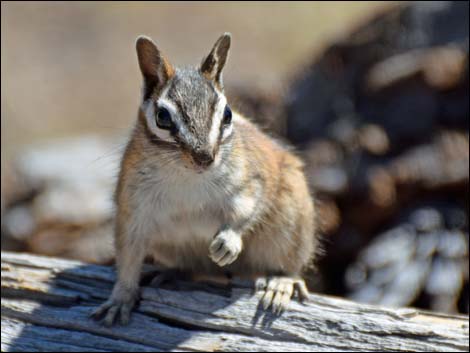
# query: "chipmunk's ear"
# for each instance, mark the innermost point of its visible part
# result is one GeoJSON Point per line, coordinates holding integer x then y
{"type": "Point", "coordinates": [156, 70]}
{"type": "Point", "coordinates": [214, 63]}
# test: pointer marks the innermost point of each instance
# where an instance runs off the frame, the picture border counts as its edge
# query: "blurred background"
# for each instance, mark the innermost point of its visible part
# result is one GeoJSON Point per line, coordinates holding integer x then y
{"type": "Point", "coordinates": [374, 96]}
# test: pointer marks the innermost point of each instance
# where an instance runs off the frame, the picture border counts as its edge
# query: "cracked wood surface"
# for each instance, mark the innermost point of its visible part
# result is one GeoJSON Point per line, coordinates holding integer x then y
{"type": "Point", "coordinates": [46, 303]}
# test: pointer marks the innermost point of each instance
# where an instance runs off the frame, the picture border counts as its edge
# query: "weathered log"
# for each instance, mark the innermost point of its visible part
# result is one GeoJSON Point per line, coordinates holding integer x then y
{"type": "Point", "coordinates": [46, 303]}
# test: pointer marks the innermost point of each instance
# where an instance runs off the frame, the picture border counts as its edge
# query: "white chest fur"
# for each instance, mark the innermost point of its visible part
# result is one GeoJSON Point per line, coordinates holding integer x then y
{"type": "Point", "coordinates": [177, 208]}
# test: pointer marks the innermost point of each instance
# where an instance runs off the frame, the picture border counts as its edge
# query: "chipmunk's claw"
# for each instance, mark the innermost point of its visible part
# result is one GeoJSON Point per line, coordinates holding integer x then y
{"type": "Point", "coordinates": [278, 292]}
{"type": "Point", "coordinates": [113, 309]}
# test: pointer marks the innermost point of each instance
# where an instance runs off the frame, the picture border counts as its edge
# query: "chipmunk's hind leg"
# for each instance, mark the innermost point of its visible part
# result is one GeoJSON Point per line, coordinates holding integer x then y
{"type": "Point", "coordinates": [279, 290]}
{"type": "Point", "coordinates": [169, 275]}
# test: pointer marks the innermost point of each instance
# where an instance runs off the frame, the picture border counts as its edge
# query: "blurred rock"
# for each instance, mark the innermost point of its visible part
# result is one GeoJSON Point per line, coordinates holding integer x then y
{"type": "Point", "coordinates": [394, 246]}
{"type": "Point", "coordinates": [442, 68]}
{"type": "Point", "coordinates": [452, 244]}
{"type": "Point", "coordinates": [14, 187]}
{"type": "Point", "coordinates": [382, 120]}
{"type": "Point", "coordinates": [19, 222]}
{"type": "Point", "coordinates": [330, 180]}
{"type": "Point", "coordinates": [328, 216]}
{"type": "Point", "coordinates": [406, 286]}
{"type": "Point", "coordinates": [373, 139]}
{"type": "Point", "coordinates": [405, 71]}
{"type": "Point", "coordinates": [417, 259]}
{"type": "Point", "coordinates": [426, 220]}
{"type": "Point", "coordinates": [443, 163]}
{"type": "Point", "coordinates": [266, 108]}
{"type": "Point", "coordinates": [89, 243]}
{"type": "Point", "coordinates": [68, 213]}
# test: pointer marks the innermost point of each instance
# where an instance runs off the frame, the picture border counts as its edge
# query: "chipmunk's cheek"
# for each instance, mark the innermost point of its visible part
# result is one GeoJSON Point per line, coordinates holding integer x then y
{"type": "Point", "coordinates": [188, 163]}
{"type": "Point", "coordinates": [187, 160]}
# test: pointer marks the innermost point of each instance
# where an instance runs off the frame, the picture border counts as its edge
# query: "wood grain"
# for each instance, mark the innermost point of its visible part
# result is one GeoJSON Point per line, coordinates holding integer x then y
{"type": "Point", "coordinates": [46, 303]}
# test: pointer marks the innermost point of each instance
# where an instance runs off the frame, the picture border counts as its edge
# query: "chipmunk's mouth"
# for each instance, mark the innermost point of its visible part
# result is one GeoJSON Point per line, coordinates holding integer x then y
{"type": "Point", "coordinates": [202, 160]}
{"type": "Point", "coordinates": [201, 168]}
{"type": "Point", "coordinates": [197, 165]}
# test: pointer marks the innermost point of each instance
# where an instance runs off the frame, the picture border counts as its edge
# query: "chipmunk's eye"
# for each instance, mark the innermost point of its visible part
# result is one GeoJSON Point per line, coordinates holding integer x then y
{"type": "Point", "coordinates": [164, 119]}
{"type": "Point", "coordinates": [227, 115]}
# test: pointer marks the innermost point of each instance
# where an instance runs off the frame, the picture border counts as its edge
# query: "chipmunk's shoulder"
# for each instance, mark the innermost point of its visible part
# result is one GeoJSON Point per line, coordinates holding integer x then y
{"type": "Point", "coordinates": [255, 137]}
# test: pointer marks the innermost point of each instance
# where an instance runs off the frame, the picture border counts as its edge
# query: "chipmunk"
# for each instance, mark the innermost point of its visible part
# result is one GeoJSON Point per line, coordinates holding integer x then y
{"type": "Point", "coordinates": [201, 189]}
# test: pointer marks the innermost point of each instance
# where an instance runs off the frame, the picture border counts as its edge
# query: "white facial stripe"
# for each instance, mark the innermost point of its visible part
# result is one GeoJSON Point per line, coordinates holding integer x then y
{"type": "Point", "coordinates": [217, 120]}
{"type": "Point", "coordinates": [227, 132]}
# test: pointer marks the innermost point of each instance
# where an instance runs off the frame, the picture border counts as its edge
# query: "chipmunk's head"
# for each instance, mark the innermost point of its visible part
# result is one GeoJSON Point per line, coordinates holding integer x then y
{"type": "Point", "coordinates": [186, 109]}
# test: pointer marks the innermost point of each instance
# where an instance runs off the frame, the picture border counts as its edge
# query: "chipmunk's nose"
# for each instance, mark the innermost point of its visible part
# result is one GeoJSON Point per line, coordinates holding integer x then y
{"type": "Point", "coordinates": [203, 158]}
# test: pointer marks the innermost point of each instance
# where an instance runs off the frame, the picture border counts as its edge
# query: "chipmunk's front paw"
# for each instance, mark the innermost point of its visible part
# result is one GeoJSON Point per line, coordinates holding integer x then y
{"type": "Point", "coordinates": [117, 306]}
{"type": "Point", "coordinates": [225, 247]}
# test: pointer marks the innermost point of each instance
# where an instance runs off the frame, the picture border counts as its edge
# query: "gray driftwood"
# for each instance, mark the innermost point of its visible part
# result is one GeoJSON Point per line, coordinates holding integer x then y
{"type": "Point", "coordinates": [46, 303]}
